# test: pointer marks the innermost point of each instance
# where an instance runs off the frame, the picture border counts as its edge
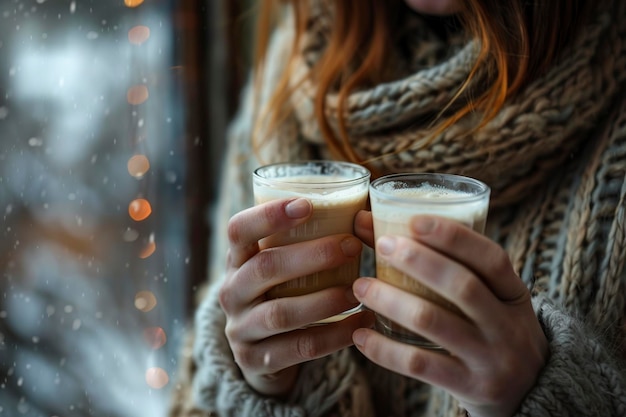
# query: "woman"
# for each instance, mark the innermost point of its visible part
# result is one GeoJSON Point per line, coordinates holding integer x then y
{"type": "Point", "coordinates": [528, 97]}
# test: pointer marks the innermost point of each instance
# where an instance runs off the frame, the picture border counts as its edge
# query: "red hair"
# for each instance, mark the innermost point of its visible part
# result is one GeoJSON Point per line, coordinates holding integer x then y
{"type": "Point", "coordinates": [519, 41]}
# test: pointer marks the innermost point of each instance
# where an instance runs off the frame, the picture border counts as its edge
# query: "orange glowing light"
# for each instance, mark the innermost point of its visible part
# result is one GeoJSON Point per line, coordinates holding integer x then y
{"type": "Point", "coordinates": [138, 34]}
{"type": "Point", "coordinates": [157, 378]}
{"type": "Point", "coordinates": [145, 301]}
{"type": "Point", "coordinates": [137, 94]}
{"type": "Point", "coordinates": [133, 3]}
{"type": "Point", "coordinates": [147, 250]}
{"type": "Point", "coordinates": [138, 165]}
{"type": "Point", "coordinates": [155, 337]}
{"type": "Point", "coordinates": [139, 209]}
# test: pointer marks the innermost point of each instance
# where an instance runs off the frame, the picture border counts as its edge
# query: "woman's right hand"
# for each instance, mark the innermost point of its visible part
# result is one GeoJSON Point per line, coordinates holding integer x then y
{"type": "Point", "coordinates": [266, 336]}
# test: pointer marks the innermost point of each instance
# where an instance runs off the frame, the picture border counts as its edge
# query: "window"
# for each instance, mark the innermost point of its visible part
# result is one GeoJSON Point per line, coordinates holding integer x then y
{"type": "Point", "coordinates": [109, 112]}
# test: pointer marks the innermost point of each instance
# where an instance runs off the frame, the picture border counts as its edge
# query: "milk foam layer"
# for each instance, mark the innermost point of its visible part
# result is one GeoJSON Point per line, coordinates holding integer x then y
{"type": "Point", "coordinates": [398, 205]}
{"type": "Point", "coordinates": [424, 191]}
{"type": "Point", "coordinates": [320, 189]}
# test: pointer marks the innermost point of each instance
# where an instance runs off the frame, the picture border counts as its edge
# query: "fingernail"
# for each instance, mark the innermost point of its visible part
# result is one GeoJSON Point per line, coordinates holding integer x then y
{"type": "Point", "coordinates": [360, 287]}
{"type": "Point", "coordinates": [350, 246]}
{"type": "Point", "coordinates": [423, 225]}
{"type": "Point", "coordinates": [386, 245]}
{"type": "Point", "coordinates": [298, 208]}
{"type": "Point", "coordinates": [359, 336]}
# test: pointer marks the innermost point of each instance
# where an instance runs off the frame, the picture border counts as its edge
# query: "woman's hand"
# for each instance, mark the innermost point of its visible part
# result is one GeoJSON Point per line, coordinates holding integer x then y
{"type": "Point", "coordinates": [266, 336]}
{"type": "Point", "coordinates": [496, 351]}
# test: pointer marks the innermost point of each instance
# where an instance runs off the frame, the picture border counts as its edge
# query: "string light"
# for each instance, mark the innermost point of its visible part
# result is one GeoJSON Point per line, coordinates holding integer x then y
{"type": "Point", "coordinates": [148, 248]}
{"type": "Point", "coordinates": [137, 94]}
{"type": "Point", "coordinates": [138, 35]}
{"type": "Point", "coordinates": [145, 301]}
{"type": "Point", "coordinates": [140, 209]}
{"type": "Point", "coordinates": [155, 337]}
{"type": "Point", "coordinates": [157, 378]}
{"type": "Point", "coordinates": [133, 3]}
{"type": "Point", "coordinates": [138, 166]}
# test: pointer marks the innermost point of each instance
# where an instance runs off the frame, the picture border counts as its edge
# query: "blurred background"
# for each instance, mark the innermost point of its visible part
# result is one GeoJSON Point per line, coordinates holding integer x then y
{"type": "Point", "coordinates": [112, 121]}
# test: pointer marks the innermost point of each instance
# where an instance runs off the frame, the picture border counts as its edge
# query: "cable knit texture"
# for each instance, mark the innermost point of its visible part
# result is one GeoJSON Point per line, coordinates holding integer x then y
{"type": "Point", "coordinates": [555, 157]}
{"type": "Point", "coordinates": [595, 389]}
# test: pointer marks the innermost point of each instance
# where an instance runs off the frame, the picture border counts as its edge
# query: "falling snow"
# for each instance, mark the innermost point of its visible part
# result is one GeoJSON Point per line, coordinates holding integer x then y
{"type": "Point", "coordinates": [76, 293]}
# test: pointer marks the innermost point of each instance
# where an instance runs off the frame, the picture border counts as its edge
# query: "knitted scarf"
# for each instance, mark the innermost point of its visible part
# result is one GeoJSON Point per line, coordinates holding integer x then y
{"type": "Point", "coordinates": [553, 156]}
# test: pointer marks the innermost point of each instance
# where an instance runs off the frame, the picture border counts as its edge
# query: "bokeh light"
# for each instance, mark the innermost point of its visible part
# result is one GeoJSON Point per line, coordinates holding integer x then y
{"type": "Point", "coordinates": [138, 34]}
{"type": "Point", "coordinates": [145, 301]}
{"type": "Point", "coordinates": [139, 209]}
{"type": "Point", "coordinates": [133, 3]}
{"type": "Point", "coordinates": [155, 337]}
{"type": "Point", "coordinates": [137, 94]}
{"type": "Point", "coordinates": [147, 250]}
{"type": "Point", "coordinates": [157, 378]}
{"type": "Point", "coordinates": [138, 165]}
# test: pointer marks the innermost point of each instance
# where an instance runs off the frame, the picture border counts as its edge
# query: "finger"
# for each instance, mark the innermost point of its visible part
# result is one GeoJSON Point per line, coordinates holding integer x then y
{"type": "Point", "coordinates": [487, 259]}
{"type": "Point", "coordinates": [274, 266]}
{"type": "Point", "coordinates": [443, 275]}
{"type": "Point", "coordinates": [364, 227]}
{"type": "Point", "coordinates": [247, 227]}
{"type": "Point", "coordinates": [274, 354]}
{"type": "Point", "coordinates": [431, 367]}
{"type": "Point", "coordinates": [437, 324]}
{"type": "Point", "coordinates": [285, 314]}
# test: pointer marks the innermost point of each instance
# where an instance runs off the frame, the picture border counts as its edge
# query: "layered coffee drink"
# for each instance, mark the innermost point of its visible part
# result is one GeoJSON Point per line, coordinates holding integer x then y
{"type": "Point", "coordinates": [397, 198]}
{"type": "Point", "coordinates": [337, 191]}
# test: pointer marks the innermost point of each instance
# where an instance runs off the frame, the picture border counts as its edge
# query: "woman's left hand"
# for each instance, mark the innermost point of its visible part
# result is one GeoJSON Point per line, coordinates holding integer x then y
{"type": "Point", "coordinates": [496, 351]}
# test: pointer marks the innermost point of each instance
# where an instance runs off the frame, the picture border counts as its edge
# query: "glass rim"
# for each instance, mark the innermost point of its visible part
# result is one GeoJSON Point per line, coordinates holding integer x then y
{"type": "Point", "coordinates": [483, 190]}
{"type": "Point", "coordinates": [364, 174]}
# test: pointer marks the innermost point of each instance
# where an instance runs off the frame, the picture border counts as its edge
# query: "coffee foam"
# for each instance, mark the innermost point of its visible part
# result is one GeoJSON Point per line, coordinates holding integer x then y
{"type": "Point", "coordinates": [425, 191]}
{"type": "Point", "coordinates": [313, 188]}
{"type": "Point", "coordinates": [406, 202]}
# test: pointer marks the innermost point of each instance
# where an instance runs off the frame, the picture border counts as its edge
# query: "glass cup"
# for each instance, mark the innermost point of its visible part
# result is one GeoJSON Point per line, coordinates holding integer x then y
{"type": "Point", "coordinates": [398, 197]}
{"type": "Point", "coordinates": [337, 191]}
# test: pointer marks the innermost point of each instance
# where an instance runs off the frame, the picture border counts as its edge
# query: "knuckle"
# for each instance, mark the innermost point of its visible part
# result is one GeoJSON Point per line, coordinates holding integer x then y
{"type": "Point", "coordinates": [276, 318]}
{"type": "Point", "coordinates": [467, 288]}
{"type": "Point", "coordinates": [422, 317]}
{"type": "Point", "coordinates": [272, 214]}
{"type": "Point", "coordinates": [416, 365]}
{"type": "Point", "coordinates": [244, 355]}
{"type": "Point", "coordinates": [407, 253]}
{"type": "Point", "coordinates": [223, 297]}
{"type": "Point", "coordinates": [265, 264]}
{"type": "Point", "coordinates": [235, 230]}
{"type": "Point", "coordinates": [307, 347]}
{"type": "Point", "coordinates": [325, 253]}
{"type": "Point", "coordinates": [231, 332]}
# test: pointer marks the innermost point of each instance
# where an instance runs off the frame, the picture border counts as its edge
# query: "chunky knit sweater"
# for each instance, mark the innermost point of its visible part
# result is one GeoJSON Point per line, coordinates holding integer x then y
{"type": "Point", "coordinates": [555, 158]}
